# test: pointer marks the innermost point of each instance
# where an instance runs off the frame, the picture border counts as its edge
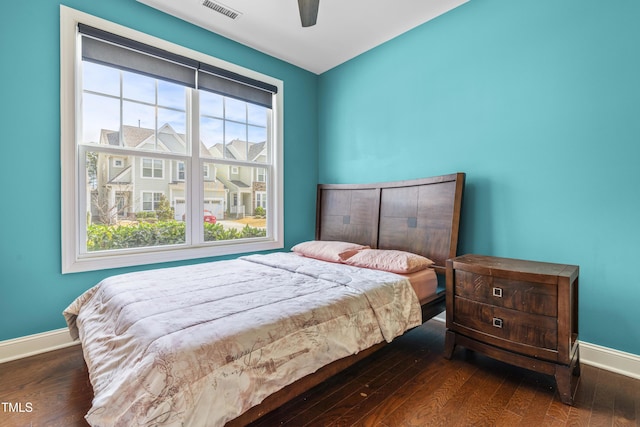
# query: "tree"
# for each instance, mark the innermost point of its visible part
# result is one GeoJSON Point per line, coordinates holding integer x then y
{"type": "Point", "coordinates": [163, 210]}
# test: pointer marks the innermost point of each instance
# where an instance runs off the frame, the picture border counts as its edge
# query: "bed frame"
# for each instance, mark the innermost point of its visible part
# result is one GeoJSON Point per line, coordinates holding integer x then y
{"type": "Point", "coordinates": [420, 216]}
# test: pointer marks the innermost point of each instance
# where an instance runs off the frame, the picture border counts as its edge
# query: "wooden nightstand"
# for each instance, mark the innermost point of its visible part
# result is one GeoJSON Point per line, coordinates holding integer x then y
{"type": "Point", "coordinates": [520, 312]}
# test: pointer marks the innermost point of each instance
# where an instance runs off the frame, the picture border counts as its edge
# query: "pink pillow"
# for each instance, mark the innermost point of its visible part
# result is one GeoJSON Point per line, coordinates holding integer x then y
{"type": "Point", "coordinates": [389, 260]}
{"type": "Point", "coordinates": [327, 250]}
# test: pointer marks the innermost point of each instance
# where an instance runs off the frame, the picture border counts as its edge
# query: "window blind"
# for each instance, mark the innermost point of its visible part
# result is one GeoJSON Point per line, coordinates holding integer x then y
{"type": "Point", "coordinates": [130, 55]}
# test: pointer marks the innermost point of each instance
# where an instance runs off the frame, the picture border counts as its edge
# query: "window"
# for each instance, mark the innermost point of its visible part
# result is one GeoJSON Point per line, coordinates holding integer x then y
{"type": "Point", "coordinates": [154, 131]}
{"type": "Point", "coordinates": [152, 168]}
{"type": "Point", "coordinates": [151, 200]}
{"type": "Point", "coordinates": [261, 199]}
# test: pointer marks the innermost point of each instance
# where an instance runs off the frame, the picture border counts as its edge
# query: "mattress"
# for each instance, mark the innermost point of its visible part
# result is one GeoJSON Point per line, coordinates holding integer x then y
{"type": "Point", "coordinates": [424, 283]}
{"type": "Point", "coordinates": [201, 344]}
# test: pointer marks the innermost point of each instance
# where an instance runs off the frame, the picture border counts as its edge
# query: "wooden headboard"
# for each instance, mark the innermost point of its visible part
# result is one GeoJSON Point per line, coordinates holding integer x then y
{"type": "Point", "coordinates": [420, 216]}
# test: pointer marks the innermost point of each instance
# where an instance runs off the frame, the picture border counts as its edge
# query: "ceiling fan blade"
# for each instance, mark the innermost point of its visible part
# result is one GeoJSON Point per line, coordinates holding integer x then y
{"type": "Point", "coordinates": [308, 12]}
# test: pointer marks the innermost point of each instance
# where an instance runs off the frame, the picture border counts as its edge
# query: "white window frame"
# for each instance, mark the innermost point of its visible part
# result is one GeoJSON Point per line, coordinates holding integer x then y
{"type": "Point", "coordinates": [153, 168]}
{"type": "Point", "coordinates": [153, 201]}
{"type": "Point", "coordinates": [261, 199]}
{"type": "Point", "coordinates": [74, 204]}
{"type": "Point", "coordinates": [181, 170]}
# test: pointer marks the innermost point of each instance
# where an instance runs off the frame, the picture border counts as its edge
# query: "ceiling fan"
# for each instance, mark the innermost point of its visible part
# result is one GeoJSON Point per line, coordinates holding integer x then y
{"type": "Point", "coordinates": [308, 12]}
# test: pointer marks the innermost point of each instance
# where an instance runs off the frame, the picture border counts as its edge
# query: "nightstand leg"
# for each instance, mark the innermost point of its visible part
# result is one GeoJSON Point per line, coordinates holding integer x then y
{"type": "Point", "coordinates": [567, 383]}
{"type": "Point", "coordinates": [449, 344]}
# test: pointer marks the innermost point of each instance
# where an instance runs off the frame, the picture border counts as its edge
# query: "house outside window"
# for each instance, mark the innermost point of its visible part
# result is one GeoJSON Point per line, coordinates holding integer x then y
{"type": "Point", "coordinates": [146, 111]}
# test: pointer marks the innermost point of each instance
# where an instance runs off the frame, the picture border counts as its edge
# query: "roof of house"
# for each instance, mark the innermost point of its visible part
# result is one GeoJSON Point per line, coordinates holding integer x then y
{"type": "Point", "coordinates": [132, 136]}
{"type": "Point", "coordinates": [124, 177]}
{"type": "Point", "coordinates": [137, 137]}
{"type": "Point", "coordinates": [239, 150]}
{"type": "Point", "coordinates": [171, 141]}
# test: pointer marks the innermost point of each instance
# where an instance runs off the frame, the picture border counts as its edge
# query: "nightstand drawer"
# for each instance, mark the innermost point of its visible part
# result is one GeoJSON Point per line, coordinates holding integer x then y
{"type": "Point", "coordinates": [529, 297]}
{"type": "Point", "coordinates": [511, 325]}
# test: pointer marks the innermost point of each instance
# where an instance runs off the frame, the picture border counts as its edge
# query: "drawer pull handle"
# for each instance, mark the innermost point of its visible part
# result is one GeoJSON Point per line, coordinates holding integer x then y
{"type": "Point", "coordinates": [497, 292]}
{"type": "Point", "coordinates": [497, 322]}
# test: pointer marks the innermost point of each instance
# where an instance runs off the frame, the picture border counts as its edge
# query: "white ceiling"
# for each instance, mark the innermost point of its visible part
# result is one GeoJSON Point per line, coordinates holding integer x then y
{"type": "Point", "coordinates": [345, 28]}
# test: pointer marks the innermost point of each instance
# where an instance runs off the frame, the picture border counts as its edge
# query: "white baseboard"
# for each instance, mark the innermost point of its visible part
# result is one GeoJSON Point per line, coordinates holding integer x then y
{"type": "Point", "coordinates": [627, 364]}
{"type": "Point", "coordinates": [35, 344]}
{"type": "Point", "coordinates": [601, 357]}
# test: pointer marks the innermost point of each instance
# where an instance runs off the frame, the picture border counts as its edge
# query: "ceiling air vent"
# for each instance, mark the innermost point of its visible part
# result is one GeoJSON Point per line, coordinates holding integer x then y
{"type": "Point", "coordinates": [220, 8]}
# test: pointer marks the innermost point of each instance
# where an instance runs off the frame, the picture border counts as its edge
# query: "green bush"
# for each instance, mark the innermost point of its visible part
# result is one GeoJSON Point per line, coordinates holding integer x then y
{"type": "Point", "coordinates": [143, 215]}
{"type": "Point", "coordinates": [108, 237]}
{"type": "Point", "coordinates": [218, 232]}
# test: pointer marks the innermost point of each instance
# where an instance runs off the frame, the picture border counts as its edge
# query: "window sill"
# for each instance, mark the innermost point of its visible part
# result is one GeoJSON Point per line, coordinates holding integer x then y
{"type": "Point", "coordinates": [162, 255]}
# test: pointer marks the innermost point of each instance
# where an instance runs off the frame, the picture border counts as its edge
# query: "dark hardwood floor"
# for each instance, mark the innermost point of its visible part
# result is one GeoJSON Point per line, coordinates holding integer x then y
{"type": "Point", "coordinates": [407, 383]}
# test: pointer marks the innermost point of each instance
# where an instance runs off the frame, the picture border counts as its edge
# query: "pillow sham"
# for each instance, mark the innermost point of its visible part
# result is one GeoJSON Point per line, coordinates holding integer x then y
{"type": "Point", "coordinates": [328, 250]}
{"type": "Point", "coordinates": [390, 260]}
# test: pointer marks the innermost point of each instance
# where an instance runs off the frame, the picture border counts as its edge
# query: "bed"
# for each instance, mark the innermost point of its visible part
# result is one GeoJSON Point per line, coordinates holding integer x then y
{"type": "Point", "coordinates": [228, 341]}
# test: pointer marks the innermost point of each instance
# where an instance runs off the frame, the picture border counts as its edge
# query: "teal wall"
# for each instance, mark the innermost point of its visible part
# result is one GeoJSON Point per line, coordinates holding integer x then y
{"type": "Point", "coordinates": [538, 101]}
{"type": "Point", "coordinates": [33, 292]}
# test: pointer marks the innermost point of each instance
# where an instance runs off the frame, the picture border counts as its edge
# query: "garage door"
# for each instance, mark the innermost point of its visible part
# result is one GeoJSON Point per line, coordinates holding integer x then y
{"type": "Point", "coordinates": [216, 206]}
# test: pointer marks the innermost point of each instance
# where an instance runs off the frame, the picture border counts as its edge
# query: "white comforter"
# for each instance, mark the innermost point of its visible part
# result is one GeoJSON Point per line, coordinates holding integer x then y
{"type": "Point", "coordinates": [199, 345]}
